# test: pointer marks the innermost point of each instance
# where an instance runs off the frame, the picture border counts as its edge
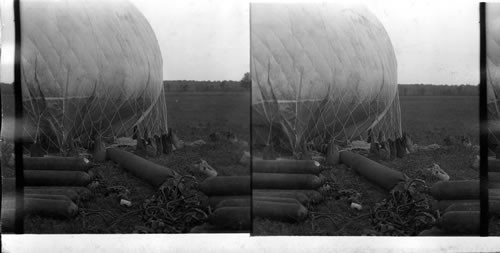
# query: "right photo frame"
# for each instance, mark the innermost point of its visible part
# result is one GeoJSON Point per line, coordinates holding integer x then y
{"type": "Point", "coordinates": [365, 119]}
{"type": "Point", "coordinates": [491, 63]}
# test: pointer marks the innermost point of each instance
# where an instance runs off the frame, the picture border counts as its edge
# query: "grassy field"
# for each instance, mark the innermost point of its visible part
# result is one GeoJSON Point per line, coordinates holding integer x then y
{"type": "Point", "coordinates": [429, 120]}
{"type": "Point", "coordinates": [194, 116]}
{"type": "Point", "coordinates": [197, 114]}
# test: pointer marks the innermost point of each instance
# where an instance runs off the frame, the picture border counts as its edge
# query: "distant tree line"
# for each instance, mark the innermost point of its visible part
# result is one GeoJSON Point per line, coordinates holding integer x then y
{"type": "Point", "coordinates": [201, 86]}
{"type": "Point", "coordinates": [438, 90]}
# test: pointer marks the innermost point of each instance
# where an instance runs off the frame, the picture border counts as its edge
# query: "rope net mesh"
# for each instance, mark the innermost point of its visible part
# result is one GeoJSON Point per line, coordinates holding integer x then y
{"type": "Point", "coordinates": [493, 72]}
{"type": "Point", "coordinates": [89, 69]}
{"type": "Point", "coordinates": [315, 80]}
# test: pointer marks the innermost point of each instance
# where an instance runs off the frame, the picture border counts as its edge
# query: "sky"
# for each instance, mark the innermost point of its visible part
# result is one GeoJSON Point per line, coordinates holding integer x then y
{"type": "Point", "coordinates": [436, 42]}
{"type": "Point", "coordinates": [201, 40]}
{"type": "Point", "coordinates": [7, 41]}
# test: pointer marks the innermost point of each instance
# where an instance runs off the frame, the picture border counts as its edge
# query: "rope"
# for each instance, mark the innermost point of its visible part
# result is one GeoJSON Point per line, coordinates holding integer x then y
{"type": "Point", "coordinates": [407, 211]}
{"type": "Point", "coordinates": [175, 208]}
{"type": "Point", "coordinates": [335, 117]}
{"type": "Point", "coordinates": [63, 129]}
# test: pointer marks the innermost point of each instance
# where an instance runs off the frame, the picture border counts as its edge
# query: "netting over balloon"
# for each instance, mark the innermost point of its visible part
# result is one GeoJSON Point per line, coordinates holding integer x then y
{"type": "Point", "coordinates": [493, 71]}
{"type": "Point", "coordinates": [321, 72]}
{"type": "Point", "coordinates": [89, 68]}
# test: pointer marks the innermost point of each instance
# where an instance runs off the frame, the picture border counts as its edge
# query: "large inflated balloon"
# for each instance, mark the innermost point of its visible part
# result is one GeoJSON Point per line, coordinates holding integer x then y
{"type": "Point", "coordinates": [89, 68]}
{"type": "Point", "coordinates": [321, 72]}
{"type": "Point", "coordinates": [493, 70]}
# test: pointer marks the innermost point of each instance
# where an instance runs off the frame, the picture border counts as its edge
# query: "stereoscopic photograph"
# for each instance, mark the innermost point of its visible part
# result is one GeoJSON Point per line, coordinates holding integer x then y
{"type": "Point", "coordinates": [312, 119]}
{"type": "Point", "coordinates": [135, 116]}
{"type": "Point", "coordinates": [365, 119]}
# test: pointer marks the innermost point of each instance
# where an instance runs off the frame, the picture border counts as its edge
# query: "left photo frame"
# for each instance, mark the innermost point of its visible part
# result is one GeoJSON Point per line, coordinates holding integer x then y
{"type": "Point", "coordinates": [130, 124]}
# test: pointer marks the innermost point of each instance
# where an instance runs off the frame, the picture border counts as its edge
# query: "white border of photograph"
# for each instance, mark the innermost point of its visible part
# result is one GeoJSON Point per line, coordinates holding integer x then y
{"type": "Point", "coordinates": [244, 242]}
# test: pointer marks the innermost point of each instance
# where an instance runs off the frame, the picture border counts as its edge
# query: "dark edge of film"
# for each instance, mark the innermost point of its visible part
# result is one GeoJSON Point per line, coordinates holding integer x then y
{"type": "Point", "coordinates": [483, 119]}
{"type": "Point", "coordinates": [250, 109]}
{"type": "Point", "coordinates": [1, 165]}
{"type": "Point", "coordinates": [18, 128]}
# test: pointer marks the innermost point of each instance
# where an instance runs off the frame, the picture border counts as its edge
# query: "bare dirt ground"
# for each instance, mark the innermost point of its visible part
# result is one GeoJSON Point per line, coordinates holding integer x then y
{"type": "Point", "coordinates": [429, 120]}
{"type": "Point", "coordinates": [194, 116]}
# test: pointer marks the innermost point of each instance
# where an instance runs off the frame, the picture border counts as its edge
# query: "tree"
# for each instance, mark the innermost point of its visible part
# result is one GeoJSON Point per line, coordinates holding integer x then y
{"type": "Point", "coordinates": [245, 81]}
{"type": "Point", "coordinates": [185, 87]}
